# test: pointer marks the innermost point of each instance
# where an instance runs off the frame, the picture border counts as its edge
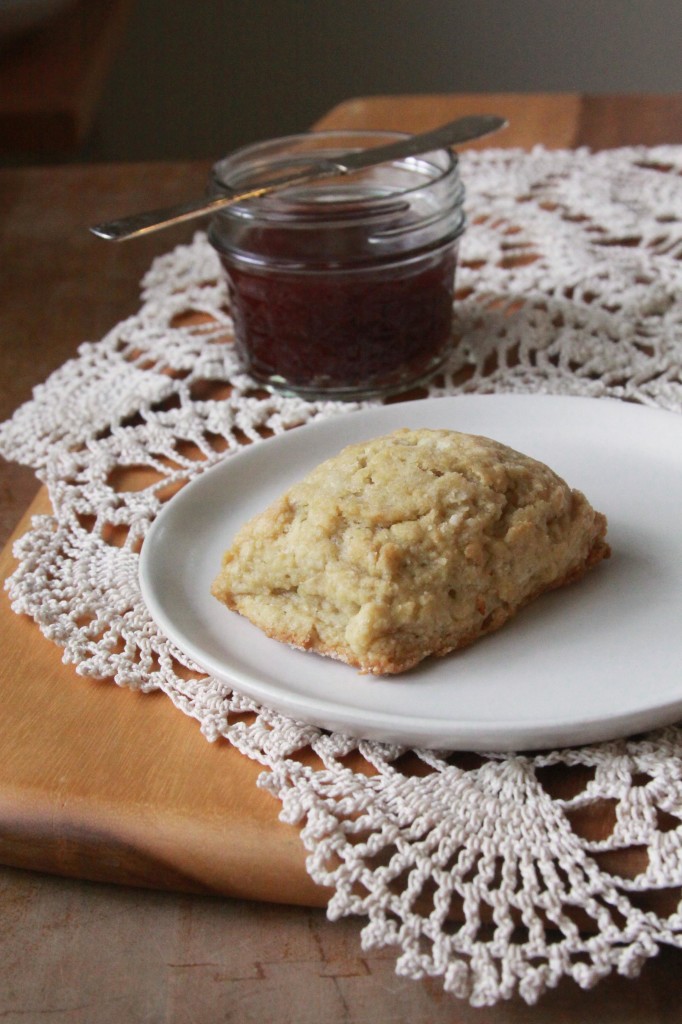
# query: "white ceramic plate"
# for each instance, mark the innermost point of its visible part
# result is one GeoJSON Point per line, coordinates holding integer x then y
{"type": "Point", "coordinates": [594, 661]}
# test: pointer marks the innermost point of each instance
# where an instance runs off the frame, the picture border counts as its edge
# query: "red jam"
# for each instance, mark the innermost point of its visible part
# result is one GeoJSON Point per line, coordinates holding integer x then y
{"type": "Point", "coordinates": [340, 331]}
{"type": "Point", "coordinates": [342, 291]}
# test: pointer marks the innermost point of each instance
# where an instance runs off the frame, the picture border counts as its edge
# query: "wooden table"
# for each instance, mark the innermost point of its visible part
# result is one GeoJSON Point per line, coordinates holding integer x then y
{"type": "Point", "coordinates": [96, 952]}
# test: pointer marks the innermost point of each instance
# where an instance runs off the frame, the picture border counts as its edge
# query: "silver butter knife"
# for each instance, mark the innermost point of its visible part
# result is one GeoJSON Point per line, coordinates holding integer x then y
{"type": "Point", "coordinates": [463, 130]}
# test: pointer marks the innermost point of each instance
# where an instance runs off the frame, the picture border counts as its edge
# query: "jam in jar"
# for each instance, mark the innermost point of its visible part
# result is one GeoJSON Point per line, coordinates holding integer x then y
{"type": "Point", "coordinates": [341, 288]}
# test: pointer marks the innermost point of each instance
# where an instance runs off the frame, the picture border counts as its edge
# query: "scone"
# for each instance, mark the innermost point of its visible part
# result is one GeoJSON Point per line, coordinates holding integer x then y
{"type": "Point", "coordinates": [408, 545]}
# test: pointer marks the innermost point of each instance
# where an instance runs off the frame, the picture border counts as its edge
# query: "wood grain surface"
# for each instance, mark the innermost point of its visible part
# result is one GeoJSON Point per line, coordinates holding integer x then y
{"type": "Point", "coordinates": [102, 783]}
{"type": "Point", "coordinates": [109, 785]}
{"type": "Point", "coordinates": [555, 120]}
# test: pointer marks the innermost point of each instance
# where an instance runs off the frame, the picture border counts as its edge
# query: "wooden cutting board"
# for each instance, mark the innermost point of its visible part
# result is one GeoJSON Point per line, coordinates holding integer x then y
{"type": "Point", "coordinates": [103, 783]}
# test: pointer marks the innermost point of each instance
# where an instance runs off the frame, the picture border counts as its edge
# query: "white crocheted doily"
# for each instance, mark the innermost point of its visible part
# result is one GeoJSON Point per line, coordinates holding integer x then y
{"type": "Point", "coordinates": [570, 282]}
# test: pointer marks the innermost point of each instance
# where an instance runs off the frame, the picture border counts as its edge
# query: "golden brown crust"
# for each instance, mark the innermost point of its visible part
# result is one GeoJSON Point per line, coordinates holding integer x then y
{"type": "Point", "coordinates": [410, 545]}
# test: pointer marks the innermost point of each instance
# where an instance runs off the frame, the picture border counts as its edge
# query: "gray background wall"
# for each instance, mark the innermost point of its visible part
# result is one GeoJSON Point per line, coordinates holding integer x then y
{"type": "Point", "coordinates": [199, 77]}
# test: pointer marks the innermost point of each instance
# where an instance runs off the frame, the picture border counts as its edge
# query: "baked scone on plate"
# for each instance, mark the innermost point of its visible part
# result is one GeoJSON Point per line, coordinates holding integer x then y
{"type": "Point", "coordinates": [409, 545]}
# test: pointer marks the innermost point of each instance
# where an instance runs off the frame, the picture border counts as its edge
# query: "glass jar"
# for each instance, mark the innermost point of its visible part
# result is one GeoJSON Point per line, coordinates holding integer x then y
{"type": "Point", "coordinates": [342, 288]}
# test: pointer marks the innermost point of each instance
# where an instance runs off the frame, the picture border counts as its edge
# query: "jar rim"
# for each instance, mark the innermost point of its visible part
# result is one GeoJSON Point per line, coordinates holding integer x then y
{"type": "Point", "coordinates": [254, 160]}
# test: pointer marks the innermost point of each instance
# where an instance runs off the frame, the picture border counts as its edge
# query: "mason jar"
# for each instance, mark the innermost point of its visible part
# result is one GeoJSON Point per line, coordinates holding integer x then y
{"type": "Point", "coordinates": [340, 288]}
